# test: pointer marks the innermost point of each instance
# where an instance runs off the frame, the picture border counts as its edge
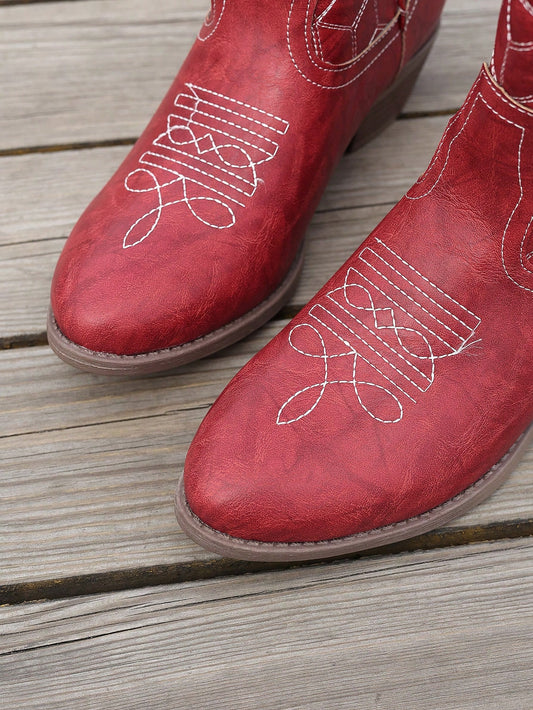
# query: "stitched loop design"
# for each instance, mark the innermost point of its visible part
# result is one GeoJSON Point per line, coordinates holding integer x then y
{"type": "Point", "coordinates": [387, 325]}
{"type": "Point", "coordinates": [206, 159]}
{"type": "Point", "coordinates": [212, 20]}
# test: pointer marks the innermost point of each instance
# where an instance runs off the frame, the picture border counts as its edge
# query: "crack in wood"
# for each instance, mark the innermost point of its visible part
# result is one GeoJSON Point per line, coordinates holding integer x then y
{"type": "Point", "coordinates": [142, 418]}
{"type": "Point", "coordinates": [114, 142]}
{"type": "Point", "coordinates": [408, 115]}
{"type": "Point", "coordinates": [28, 340]}
{"type": "Point", "coordinates": [153, 576]}
{"type": "Point", "coordinates": [30, 2]}
{"type": "Point", "coordinates": [63, 147]}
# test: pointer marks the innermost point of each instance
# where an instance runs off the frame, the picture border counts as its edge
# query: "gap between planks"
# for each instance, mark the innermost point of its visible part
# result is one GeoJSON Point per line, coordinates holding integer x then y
{"type": "Point", "coordinates": [99, 42]}
{"type": "Point", "coordinates": [359, 194]}
{"type": "Point", "coordinates": [63, 147]}
{"type": "Point", "coordinates": [113, 142]}
{"type": "Point", "coordinates": [442, 629]}
{"type": "Point", "coordinates": [197, 570]}
{"type": "Point", "coordinates": [4, 3]}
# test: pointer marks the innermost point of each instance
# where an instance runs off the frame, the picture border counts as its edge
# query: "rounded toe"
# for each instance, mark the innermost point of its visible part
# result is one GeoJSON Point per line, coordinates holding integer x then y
{"type": "Point", "coordinates": [248, 476]}
{"type": "Point", "coordinates": [225, 495]}
{"type": "Point", "coordinates": [288, 456]}
{"type": "Point", "coordinates": [95, 313]}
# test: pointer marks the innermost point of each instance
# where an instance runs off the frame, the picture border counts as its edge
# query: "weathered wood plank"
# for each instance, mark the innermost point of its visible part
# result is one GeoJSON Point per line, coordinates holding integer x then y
{"type": "Point", "coordinates": [89, 70]}
{"type": "Point", "coordinates": [39, 393]}
{"type": "Point", "coordinates": [380, 172]}
{"type": "Point", "coordinates": [89, 465]}
{"type": "Point", "coordinates": [84, 453]}
{"type": "Point", "coordinates": [31, 238]}
{"type": "Point", "coordinates": [466, 39]}
{"type": "Point", "coordinates": [96, 70]}
{"type": "Point", "coordinates": [443, 630]}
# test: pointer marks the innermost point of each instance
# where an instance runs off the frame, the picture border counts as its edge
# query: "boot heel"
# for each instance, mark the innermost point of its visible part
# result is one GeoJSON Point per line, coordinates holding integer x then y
{"type": "Point", "coordinates": [390, 104]}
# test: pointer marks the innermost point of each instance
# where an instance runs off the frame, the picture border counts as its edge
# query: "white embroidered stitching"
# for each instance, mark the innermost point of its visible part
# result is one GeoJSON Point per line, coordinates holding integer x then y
{"type": "Point", "coordinates": [509, 36]}
{"type": "Point", "coordinates": [505, 233]}
{"type": "Point", "coordinates": [202, 36]}
{"type": "Point", "coordinates": [520, 184]}
{"type": "Point", "coordinates": [410, 298]}
{"type": "Point", "coordinates": [512, 45]}
{"type": "Point", "coordinates": [521, 46]}
{"type": "Point", "coordinates": [229, 123]}
{"type": "Point", "coordinates": [196, 153]}
{"type": "Point", "coordinates": [411, 13]}
{"type": "Point", "coordinates": [325, 12]}
{"type": "Point", "coordinates": [440, 147]}
{"type": "Point", "coordinates": [527, 6]}
{"type": "Point", "coordinates": [443, 293]}
{"type": "Point", "coordinates": [241, 103]}
{"type": "Point", "coordinates": [269, 154]}
{"type": "Point", "coordinates": [480, 97]}
{"type": "Point", "coordinates": [501, 97]}
{"type": "Point", "coordinates": [337, 314]}
{"type": "Point", "coordinates": [517, 109]}
{"type": "Point", "coordinates": [386, 30]}
{"type": "Point", "coordinates": [321, 23]}
{"type": "Point", "coordinates": [442, 141]}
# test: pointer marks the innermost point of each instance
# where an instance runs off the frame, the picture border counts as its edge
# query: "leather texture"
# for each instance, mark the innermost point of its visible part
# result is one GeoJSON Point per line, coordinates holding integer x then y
{"type": "Point", "coordinates": [205, 216]}
{"type": "Point", "coordinates": [512, 61]}
{"type": "Point", "coordinates": [410, 374]}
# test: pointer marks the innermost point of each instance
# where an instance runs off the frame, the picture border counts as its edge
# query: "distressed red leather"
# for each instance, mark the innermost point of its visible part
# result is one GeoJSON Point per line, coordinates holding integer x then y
{"type": "Point", "coordinates": [410, 374]}
{"type": "Point", "coordinates": [512, 61]}
{"type": "Point", "coordinates": [205, 216]}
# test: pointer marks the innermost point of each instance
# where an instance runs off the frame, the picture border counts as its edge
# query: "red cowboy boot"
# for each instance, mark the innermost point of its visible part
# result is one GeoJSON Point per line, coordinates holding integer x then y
{"type": "Point", "coordinates": [197, 238]}
{"type": "Point", "coordinates": [402, 394]}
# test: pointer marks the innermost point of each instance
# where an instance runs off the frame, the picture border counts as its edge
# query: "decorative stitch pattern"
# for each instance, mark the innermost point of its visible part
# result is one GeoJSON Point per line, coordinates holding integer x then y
{"type": "Point", "coordinates": [512, 46]}
{"type": "Point", "coordinates": [514, 256]}
{"type": "Point", "coordinates": [387, 326]}
{"type": "Point", "coordinates": [206, 159]}
{"type": "Point", "coordinates": [310, 56]}
{"type": "Point", "coordinates": [212, 20]}
{"type": "Point", "coordinates": [323, 27]}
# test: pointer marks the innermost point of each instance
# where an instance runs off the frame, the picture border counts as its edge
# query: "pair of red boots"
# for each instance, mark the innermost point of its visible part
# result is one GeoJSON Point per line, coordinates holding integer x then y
{"type": "Point", "coordinates": [402, 394]}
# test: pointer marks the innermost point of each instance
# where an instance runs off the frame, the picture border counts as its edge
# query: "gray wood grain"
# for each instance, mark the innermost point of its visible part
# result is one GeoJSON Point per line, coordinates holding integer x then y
{"type": "Point", "coordinates": [96, 70]}
{"type": "Point", "coordinates": [466, 39]}
{"type": "Point", "coordinates": [43, 194]}
{"type": "Point", "coordinates": [444, 630]}
{"type": "Point", "coordinates": [89, 465]}
{"type": "Point", "coordinates": [33, 229]}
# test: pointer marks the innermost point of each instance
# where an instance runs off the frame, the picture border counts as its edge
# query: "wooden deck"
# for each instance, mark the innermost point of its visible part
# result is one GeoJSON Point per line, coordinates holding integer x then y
{"type": "Point", "coordinates": [106, 603]}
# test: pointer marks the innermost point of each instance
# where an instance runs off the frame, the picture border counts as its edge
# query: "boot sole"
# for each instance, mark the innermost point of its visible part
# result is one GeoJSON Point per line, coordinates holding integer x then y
{"type": "Point", "coordinates": [380, 116]}
{"type": "Point", "coordinates": [238, 548]}
{"type": "Point", "coordinates": [170, 358]}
